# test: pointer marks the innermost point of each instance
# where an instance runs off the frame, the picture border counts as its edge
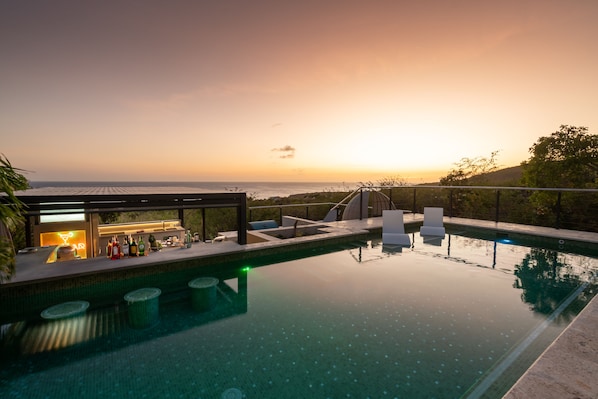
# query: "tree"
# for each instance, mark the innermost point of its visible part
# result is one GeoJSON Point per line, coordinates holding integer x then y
{"type": "Point", "coordinates": [11, 214]}
{"type": "Point", "coordinates": [467, 168]}
{"type": "Point", "coordinates": [392, 181]}
{"type": "Point", "coordinates": [467, 172]}
{"type": "Point", "coordinates": [568, 158]}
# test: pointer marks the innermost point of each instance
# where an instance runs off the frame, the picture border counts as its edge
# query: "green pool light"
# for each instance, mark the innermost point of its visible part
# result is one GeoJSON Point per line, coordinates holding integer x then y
{"type": "Point", "coordinates": [246, 268]}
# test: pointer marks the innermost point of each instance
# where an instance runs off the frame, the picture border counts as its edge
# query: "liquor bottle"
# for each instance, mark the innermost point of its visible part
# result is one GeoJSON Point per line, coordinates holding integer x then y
{"type": "Point", "coordinates": [125, 247]}
{"type": "Point", "coordinates": [115, 249]}
{"type": "Point", "coordinates": [188, 238]}
{"type": "Point", "coordinates": [109, 248]}
{"type": "Point", "coordinates": [133, 247]}
{"type": "Point", "coordinates": [141, 246]}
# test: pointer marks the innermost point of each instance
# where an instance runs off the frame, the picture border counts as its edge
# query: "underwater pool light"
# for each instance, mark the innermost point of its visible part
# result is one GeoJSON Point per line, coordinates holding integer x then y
{"type": "Point", "coordinates": [505, 241]}
{"type": "Point", "coordinates": [246, 268]}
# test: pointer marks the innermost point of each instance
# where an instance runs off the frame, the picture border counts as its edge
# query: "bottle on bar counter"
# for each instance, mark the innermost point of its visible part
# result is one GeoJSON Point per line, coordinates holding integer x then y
{"type": "Point", "coordinates": [115, 249]}
{"type": "Point", "coordinates": [109, 248]}
{"type": "Point", "coordinates": [188, 239]}
{"type": "Point", "coordinates": [125, 247]}
{"type": "Point", "coordinates": [133, 247]}
{"type": "Point", "coordinates": [141, 246]}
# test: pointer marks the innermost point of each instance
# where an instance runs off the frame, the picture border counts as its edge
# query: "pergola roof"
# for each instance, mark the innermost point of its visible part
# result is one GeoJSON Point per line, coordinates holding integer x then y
{"type": "Point", "coordinates": [124, 199]}
{"type": "Point", "coordinates": [121, 199]}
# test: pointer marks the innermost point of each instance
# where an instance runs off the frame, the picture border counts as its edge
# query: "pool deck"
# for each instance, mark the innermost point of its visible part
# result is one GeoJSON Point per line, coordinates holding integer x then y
{"type": "Point", "coordinates": [567, 369]}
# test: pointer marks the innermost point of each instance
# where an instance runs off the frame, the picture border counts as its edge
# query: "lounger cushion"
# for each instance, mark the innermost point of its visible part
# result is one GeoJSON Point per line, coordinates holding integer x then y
{"type": "Point", "coordinates": [263, 224]}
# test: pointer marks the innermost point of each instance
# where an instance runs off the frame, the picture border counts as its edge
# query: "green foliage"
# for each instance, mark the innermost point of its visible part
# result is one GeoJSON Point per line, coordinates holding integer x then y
{"type": "Point", "coordinates": [388, 181]}
{"type": "Point", "coordinates": [11, 180]}
{"type": "Point", "coordinates": [220, 219]}
{"type": "Point", "coordinates": [470, 171]}
{"type": "Point", "coordinates": [7, 259]}
{"type": "Point", "coordinates": [11, 214]}
{"type": "Point", "coordinates": [142, 216]}
{"type": "Point", "coordinates": [392, 181]}
{"type": "Point", "coordinates": [109, 217]}
{"type": "Point", "coordinates": [568, 158]}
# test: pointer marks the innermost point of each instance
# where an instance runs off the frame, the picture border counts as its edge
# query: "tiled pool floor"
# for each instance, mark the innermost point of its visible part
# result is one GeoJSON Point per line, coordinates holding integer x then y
{"type": "Point", "coordinates": [566, 370]}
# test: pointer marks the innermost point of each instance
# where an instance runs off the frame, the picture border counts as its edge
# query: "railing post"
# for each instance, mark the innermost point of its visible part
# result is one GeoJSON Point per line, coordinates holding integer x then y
{"type": "Point", "coordinates": [242, 223]}
{"type": "Point", "coordinates": [280, 216]}
{"type": "Point", "coordinates": [413, 209]}
{"type": "Point", "coordinates": [558, 211]}
{"type": "Point", "coordinates": [307, 212]}
{"type": "Point", "coordinates": [450, 202]}
{"type": "Point", "coordinates": [203, 224]}
{"type": "Point", "coordinates": [182, 216]}
{"type": "Point", "coordinates": [390, 198]}
{"type": "Point", "coordinates": [497, 205]}
{"type": "Point", "coordinates": [361, 203]}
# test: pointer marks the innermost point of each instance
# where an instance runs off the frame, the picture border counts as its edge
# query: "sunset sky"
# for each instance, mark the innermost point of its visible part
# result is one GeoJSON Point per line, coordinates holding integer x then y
{"type": "Point", "coordinates": [288, 91]}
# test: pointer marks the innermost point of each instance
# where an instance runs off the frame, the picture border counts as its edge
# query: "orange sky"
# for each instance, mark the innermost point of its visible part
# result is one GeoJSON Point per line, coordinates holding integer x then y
{"type": "Point", "coordinates": [288, 91]}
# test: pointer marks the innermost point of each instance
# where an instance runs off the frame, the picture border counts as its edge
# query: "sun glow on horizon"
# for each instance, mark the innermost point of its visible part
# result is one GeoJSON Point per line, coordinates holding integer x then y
{"type": "Point", "coordinates": [200, 91]}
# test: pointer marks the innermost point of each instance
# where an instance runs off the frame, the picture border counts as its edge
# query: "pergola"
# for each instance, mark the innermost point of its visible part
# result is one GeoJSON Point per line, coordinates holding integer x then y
{"type": "Point", "coordinates": [95, 200]}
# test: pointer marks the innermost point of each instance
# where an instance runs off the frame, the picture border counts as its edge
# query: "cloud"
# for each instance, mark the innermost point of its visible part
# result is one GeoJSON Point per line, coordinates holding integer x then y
{"type": "Point", "coordinates": [286, 152]}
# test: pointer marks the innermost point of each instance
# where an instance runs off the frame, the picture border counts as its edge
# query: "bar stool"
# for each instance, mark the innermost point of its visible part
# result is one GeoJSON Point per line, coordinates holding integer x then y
{"type": "Point", "coordinates": [203, 293]}
{"type": "Point", "coordinates": [143, 307]}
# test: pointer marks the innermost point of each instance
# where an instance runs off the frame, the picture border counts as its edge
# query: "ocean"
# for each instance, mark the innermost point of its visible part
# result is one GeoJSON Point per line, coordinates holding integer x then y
{"type": "Point", "coordinates": [257, 190]}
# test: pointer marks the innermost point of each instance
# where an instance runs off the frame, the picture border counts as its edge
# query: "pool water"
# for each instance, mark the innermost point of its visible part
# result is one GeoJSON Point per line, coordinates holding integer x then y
{"type": "Point", "coordinates": [459, 318]}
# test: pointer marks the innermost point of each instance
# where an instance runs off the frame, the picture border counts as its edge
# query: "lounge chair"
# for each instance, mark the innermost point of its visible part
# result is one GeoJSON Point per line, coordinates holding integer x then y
{"type": "Point", "coordinates": [393, 228]}
{"type": "Point", "coordinates": [263, 224]}
{"type": "Point", "coordinates": [433, 224]}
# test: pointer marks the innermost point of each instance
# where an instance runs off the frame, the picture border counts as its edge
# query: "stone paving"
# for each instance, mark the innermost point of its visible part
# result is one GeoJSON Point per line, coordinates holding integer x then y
{"type": "Point", "coordinates": [568, 368]}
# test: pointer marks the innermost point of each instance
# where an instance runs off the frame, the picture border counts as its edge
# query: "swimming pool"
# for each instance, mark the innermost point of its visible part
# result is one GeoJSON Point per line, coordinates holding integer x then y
{"type": "Point", "coordinates": [459, 318]}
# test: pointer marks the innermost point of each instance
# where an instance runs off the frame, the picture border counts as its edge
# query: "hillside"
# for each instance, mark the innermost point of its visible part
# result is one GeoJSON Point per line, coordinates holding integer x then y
{"type": "Point", "coordinates": [508, 177]}
{"type": "Point", "coordinates": [502, 177]}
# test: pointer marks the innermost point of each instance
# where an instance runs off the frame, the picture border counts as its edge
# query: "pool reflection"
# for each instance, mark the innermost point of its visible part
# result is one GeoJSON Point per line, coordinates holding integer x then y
{"type": "Point", "coordinates": [546, 277]}
{"type": "Point", "coordinates": [110, 324]}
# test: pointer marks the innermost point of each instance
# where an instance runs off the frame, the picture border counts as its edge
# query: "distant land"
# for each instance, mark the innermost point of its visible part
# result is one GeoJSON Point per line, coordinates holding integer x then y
{"type": "Point", "coordinates": [502, 177]}
{"type": "Point", "coordinates": [508, 177]}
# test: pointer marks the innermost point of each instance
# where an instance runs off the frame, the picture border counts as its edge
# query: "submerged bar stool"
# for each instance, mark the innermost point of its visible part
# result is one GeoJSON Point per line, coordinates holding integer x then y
{"type": "Point", "coordinates": [65, 310]}
{"type": "Point", "coordinates": [143, 307]}
{"type": "Point", "coordinates": [203, 293]}
{"type": "Point", "coordinates": [64, 325]}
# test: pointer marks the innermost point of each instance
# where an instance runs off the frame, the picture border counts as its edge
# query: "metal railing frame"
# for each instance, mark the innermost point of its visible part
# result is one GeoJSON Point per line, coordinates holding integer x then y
{"type": "Point", "coordinates": [451, 197]}
{"type": "Point", "coordinates": [498, 190]}
{"type": "Point", "coordinates": [280, 208]}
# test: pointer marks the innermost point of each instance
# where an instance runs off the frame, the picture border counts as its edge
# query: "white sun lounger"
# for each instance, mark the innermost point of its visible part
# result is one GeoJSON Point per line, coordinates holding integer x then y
{"type": "Point", "coordinates": [393, 228]}
{"type": "Point", "coordinates": [433, 224]}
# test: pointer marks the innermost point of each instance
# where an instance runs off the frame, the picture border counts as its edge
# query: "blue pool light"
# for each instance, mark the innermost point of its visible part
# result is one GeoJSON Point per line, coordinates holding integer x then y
{"type": "Point", "coordinates": [505, 241]}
